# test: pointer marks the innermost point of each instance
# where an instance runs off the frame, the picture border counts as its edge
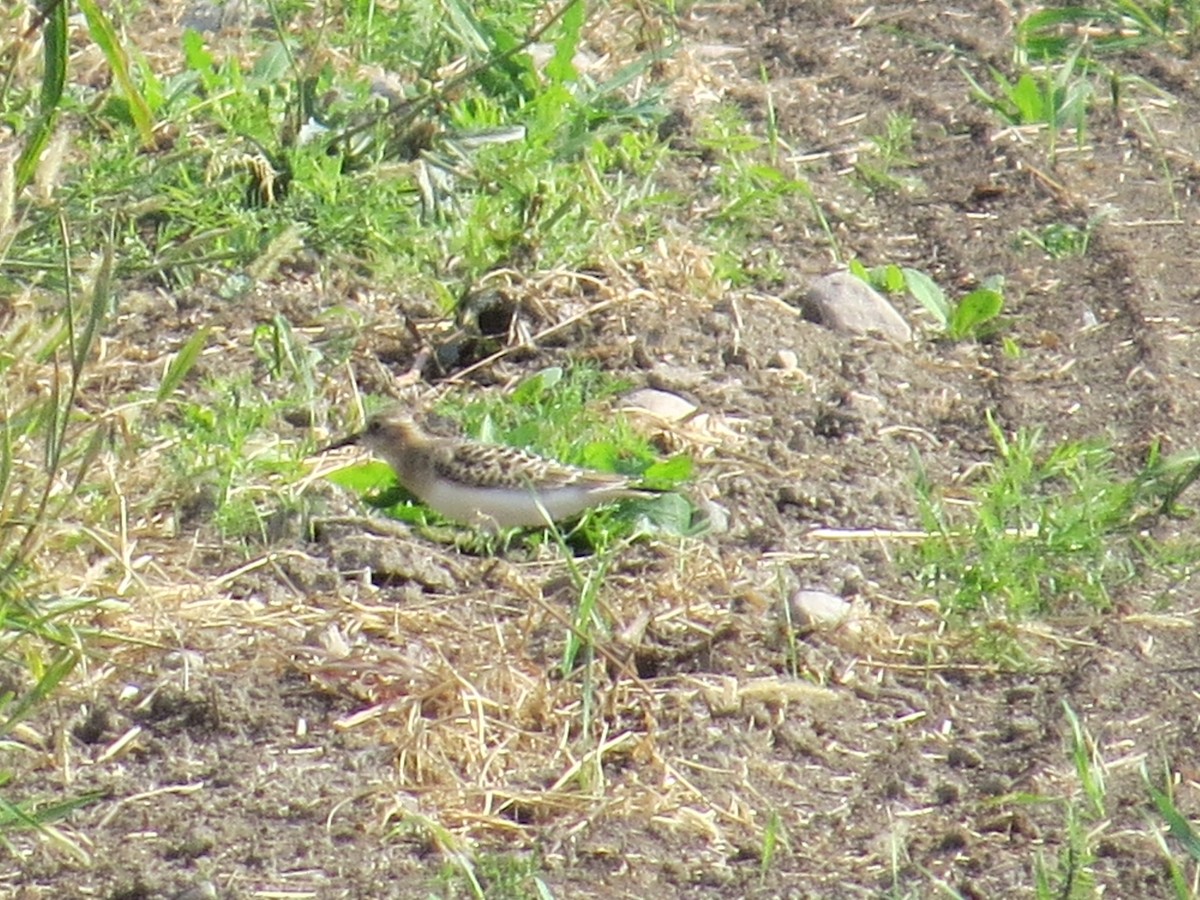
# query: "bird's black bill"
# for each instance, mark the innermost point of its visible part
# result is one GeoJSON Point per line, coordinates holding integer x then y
{"type": "Point", "coordinates": [347, 441]}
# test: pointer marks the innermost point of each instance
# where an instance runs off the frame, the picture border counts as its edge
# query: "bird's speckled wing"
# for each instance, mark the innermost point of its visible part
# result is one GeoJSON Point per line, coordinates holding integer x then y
{"type": "Point", "coordinates": [487, 465]}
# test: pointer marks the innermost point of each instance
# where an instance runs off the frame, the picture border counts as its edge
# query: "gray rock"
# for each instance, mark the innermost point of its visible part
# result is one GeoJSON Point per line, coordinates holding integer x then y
{"type": "Point", "coordinates": [841, 302]}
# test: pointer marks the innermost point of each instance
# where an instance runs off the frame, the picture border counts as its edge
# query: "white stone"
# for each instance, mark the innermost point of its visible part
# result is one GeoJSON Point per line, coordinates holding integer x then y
{"type": "Point", "coordinates": [818, 609]}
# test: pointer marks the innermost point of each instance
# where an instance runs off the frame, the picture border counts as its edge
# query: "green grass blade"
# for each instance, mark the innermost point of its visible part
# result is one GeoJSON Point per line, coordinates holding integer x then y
{"type": "Point", "coordinates": [465, 27]}
{"type": "Point", "coordinates": [12, 816]}
{"type": "Point", "coordinates": [1181, 829]}
{"type": "Point", "coordinates": [928, 294]}
{"type": "Point", "coordinates": [183, 362]}
{"type": "Point", "coordinates": [973, 311]}
{"type": "Point", "coordinates": [49, 678]}
{"type": "Point", "coordinates": [54, 38]}
{"type": "Point", "coordinates": [561, 67]}
{"type": "Point", "coordinates": [105, 36]}
{"type": "Point", "coordinates": [97, 311]}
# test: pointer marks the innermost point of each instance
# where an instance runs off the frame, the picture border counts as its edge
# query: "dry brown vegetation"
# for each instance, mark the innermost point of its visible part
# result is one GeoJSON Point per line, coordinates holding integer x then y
{"type": "Point", "coordinates": [331, 704]}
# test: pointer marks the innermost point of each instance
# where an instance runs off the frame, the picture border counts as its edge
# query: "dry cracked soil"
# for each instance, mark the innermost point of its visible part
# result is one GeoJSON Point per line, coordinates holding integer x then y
{"type": "Point", "coordinates": [358, 709]}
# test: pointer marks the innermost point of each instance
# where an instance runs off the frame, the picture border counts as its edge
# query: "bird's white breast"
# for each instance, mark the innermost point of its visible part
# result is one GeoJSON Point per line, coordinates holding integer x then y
{"type": "Point", "coordinates": [516, 507]}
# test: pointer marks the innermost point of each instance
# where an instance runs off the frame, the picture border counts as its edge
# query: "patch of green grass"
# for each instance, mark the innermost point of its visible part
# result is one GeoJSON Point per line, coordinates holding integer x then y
{"type": "Point", "coordinates": [281, 154]}
{"type": "Point", "coordinates": [1077, 44]}
{"type": "Point", "coordinates": [892, 149]}
{"type": "Point", "coordinates": [1072, 874]}
{"type": "Point", "coordinates": [1058, 95]}
{"type": "Point", "coordinates": [752, 194]}
{"type": "Point", "coordinates": [225, 462]}
{"type": "Point", "coordinates": [1059, 239]}
{"type": "Point", "coordinates": [1183, 833]}
{"type": "Point", "coordinates": [1048, 531]}
{"type": "Point", "coordinates": [974, 316]}
{"type": "Point", "coordinates": [1112, 26]}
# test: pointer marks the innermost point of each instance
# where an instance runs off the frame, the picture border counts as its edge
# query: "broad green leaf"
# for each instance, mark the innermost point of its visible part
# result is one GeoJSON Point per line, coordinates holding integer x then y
{"type": "Point", "coordinates": [893, 279]}
{"type": "Point", "coordinates": [461, 22]}
{"type": "Point", "coordinates": [273, 65]}
{"type": "Point", "coordinates": [973, 311]}
{"type": "Point", "coordinates": [561, 67]}
{"type": "Point", "coordinates": [1181, 829]}
{"type": "Point", "coordinates": [535, 386]}
{"type": "Point", "coordinates": [928, 294]}
{"type": "Point", "coordinates": [601, 456]}
{"type": "Point", "coordinates": [669, 471]}
{"type": "Point", "coordinates": [195, 54]}
{"type": "Point", "coordinates": [1048, 33]}
{"type": "Point", "coordinates": [665, 514]}
{"type": "Point", "coordinates": [1030, 102]}
{"type": "Point", "coordinates": [364, 478]}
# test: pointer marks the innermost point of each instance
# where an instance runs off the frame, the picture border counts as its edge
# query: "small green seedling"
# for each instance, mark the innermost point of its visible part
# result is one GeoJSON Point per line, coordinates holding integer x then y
{"type": "Point", "coordinates": [973, 317]}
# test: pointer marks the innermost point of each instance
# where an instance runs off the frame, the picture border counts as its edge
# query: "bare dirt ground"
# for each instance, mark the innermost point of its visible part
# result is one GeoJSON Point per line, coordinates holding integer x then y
{"type": "Point", "coordinates": [306, 731]}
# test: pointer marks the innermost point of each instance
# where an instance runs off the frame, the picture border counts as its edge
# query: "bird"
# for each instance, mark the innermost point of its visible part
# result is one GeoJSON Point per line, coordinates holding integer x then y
{"type": "Point", "coordinates": [489, 486]}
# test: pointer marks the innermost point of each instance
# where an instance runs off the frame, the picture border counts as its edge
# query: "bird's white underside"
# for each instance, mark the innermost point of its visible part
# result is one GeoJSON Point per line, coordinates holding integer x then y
{"type": "Point", "coordinates": [501, 507]}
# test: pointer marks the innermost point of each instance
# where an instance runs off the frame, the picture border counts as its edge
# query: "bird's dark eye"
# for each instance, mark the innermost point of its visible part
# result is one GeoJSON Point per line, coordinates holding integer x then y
{"type": "Point", "coordinates": [373, 426]}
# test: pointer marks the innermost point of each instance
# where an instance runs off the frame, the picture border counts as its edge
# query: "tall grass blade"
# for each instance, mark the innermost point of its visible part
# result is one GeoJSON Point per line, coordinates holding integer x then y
{"type": "Point", "coordinates": [105, 36]}
{"type": "Point", "coordinates": [561, 67]}
{"type": "Point", "coordinates": [1181, 829]}
{"type": "Point", "coordinates": [183, 362]}
{"type": "Point", "coordinates": [49, 678]}
{"type": "Point", "coordinates": [54, 76]}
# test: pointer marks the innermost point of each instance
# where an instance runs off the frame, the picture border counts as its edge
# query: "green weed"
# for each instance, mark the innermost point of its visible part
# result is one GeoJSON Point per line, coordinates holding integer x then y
{"type": "Point", "coordinates": [773, 838]}
{"type": "Point", "coordinates": [1080, 46]}
{"type": "Point", "coordinates": [1112, 26]}
{"type": "Point", "coordinates": [1089, 766]}
{"type": "Point", "coordinates": [1073, 876]}
{"type": "Point", "coordinates": [752, 194]}
{"type": "Point", "coordinates": [974, 316]}
{"type": "Point", "coordinates": [1049, 530]}
{"type": "Point", "coordinates": [1181, 830]}
{"type": "Point", "coordinates": [1057, 96]}
{"type": "Point", "coordinates": [1059, 239]}
{"type": "Point", "coordinates": [497, 876]}
{"type": "Point", "coordinates": [891, 150]}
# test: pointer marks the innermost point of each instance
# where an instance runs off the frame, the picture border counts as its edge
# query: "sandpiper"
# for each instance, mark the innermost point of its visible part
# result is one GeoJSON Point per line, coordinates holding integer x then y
{"type": "Point", "coordinates": [485, 485]}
